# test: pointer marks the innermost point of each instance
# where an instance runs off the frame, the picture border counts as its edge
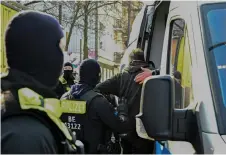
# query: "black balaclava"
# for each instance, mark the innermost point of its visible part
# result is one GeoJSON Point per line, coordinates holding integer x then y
{"type": "Point", "coordinates": [89, 72]}
{"type": "Point", "coordinates": [68, 73]}
{"type": "Point", "coordinates": [32, 46]}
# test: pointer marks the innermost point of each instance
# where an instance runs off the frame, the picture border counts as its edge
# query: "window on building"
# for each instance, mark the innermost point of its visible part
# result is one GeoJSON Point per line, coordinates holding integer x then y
{"type": "Point", "coordinates": [180, 63]}
{"type": "Point", "coordinates": [101, 45]}
{"type": "Point", "coordinates": [110, 73]}
{"type": "Point", "coordinates": [102, 27]}
{"type": "Point", "coordinates": [117, 23]}
{"type": "Point", "coordinates": [107, 73]}
{"type": "Point", "coordinates": [101, 71]}
{"type": "Point", "coordinates": [104, 74]}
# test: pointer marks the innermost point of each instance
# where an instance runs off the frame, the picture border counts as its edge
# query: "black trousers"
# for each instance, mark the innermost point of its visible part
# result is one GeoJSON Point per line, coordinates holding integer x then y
{"type": "Point", "coordinates": [138, 146]}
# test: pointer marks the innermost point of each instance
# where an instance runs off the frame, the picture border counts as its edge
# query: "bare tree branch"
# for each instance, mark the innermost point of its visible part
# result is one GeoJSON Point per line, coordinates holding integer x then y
{"type": "Point", "coordinates": [74, 12]}
{"type": "Point", "coordinates": [32, 2]}
{"type": "Point", "coordinates": [78, 7]}
{"type": "Point", "coordinates": [45, 10]}
{"type": "Point", "coordinates": [102, 5]}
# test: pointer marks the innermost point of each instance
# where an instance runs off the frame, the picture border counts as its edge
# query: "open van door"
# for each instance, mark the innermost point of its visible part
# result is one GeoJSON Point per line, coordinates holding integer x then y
{"type": "Point", "coordinates": [152, 33]}
{"type": "Point", "coordinates": [143, 18]}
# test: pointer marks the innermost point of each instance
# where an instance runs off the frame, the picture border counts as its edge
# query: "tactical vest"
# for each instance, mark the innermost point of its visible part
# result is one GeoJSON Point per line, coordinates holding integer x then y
{"type": "Point", "coordinates": [64, 83]}
{"type": "Point", "coordinates": [76, 122]}
{"type": "Point", "coordinates": [46, 110]}
{"type": "Point", "coordinates": [75, 114]}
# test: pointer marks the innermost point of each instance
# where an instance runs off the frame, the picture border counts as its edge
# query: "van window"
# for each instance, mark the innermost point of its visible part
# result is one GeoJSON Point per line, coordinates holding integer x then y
{"type": "Point", "coordinates": [177, 34]}
{"type": "Point", "coordinates": [213, 17]}
{"type": "Point", "coordinates": [180, 63]}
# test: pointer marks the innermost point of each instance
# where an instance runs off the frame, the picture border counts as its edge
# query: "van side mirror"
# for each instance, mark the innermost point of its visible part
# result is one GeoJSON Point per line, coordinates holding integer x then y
{"type": "Point", "coordinates": [158, 114]}
{"type": "Point", "coordinates": [157, 107]}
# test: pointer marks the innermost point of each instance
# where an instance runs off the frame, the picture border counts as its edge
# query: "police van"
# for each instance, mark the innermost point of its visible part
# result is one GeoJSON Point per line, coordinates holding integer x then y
{"type": "Point", "coordinates": [184, 113]}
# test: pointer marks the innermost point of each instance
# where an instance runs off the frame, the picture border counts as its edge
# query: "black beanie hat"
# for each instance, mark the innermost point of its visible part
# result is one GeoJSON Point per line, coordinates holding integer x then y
{"type": "Point", "coordinates": [68, 64]}
{"type": "Point", "coordinates": [68, 73]}
{"type": "Point", "coordinates": [89, 72]}
{"type": "Point", "coordinates": [32, 46]}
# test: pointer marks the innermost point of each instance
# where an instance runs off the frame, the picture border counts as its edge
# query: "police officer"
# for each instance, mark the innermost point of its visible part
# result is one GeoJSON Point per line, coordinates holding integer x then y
{"type": "Point", "coordinates": [92, 127]}
{"type": "Point", "coordinates": [66, 80]}
{"type": "Point", "coordinates": [124, 86]}
{"type": "Point", "coordinates": [30, 112]}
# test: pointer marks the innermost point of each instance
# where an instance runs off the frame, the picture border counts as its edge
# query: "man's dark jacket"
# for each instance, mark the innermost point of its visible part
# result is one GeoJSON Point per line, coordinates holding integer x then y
{"type": "Point", "coordinates": [123, 85]}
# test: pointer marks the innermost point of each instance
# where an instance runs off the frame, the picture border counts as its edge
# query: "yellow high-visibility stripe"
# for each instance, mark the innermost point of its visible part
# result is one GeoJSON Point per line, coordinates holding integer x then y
{"type": "Point", "coordinates": [54, 108]}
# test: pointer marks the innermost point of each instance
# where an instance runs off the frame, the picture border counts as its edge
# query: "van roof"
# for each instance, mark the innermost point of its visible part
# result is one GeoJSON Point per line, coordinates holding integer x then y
{"type": "Point", "coordinates": [184, 4]}
{"type": "Point", "coordinates": [209, 2]}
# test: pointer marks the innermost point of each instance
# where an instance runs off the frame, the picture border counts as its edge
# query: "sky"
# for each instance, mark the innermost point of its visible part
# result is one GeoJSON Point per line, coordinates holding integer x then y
{"type": "Point", "coordinates": [148, 2]}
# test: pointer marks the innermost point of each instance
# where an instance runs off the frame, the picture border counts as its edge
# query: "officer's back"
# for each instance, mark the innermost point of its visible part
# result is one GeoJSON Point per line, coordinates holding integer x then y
{"type": "Point", "coordinates": [100, 115]}
{"type": "Point", "coordinates": [28, 124]}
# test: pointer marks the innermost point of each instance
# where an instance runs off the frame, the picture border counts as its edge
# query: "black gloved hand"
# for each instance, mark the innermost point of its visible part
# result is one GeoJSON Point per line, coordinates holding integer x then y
{"type": "Point", "coordinates": [114, 148]}
{"type": "Point", "coordinates": [156, 72]}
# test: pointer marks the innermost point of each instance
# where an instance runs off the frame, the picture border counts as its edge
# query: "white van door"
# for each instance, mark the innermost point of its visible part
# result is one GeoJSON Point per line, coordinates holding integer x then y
{"type": "Point", "coordinates": [177, 59]}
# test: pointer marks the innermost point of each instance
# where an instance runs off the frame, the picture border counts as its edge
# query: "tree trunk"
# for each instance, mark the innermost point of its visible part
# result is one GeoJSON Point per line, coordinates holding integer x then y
{"type": "Point", "coordinates": [60, 14]}
{"type": "Point", "coordinates": [69, 35]}
{"type": "Point", "coordinates": [129, 18]}
{"type": "Point", "coordinates": [71, 29]}
{"type": "Point", "coordinates": [80, 50]}
{"type": "Point", "coordinates": [85, 33]}
{"type": "Point", "coordinates": [96, 31]}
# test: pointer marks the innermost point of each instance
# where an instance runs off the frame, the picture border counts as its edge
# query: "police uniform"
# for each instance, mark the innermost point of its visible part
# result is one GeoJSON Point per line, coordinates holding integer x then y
{"type": "Point", "coordinates": [47, 111]}
{"type": "Point", "coordinates": [62, 87]}
{"type": "Point", "coordinates": [95, 127]}
{"type": "Point", "coordinates": [76, 118]}
{"type": "Point", "coordinates": [29, 108]}
{"type": "Point", "coordinates": [64, 83]}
